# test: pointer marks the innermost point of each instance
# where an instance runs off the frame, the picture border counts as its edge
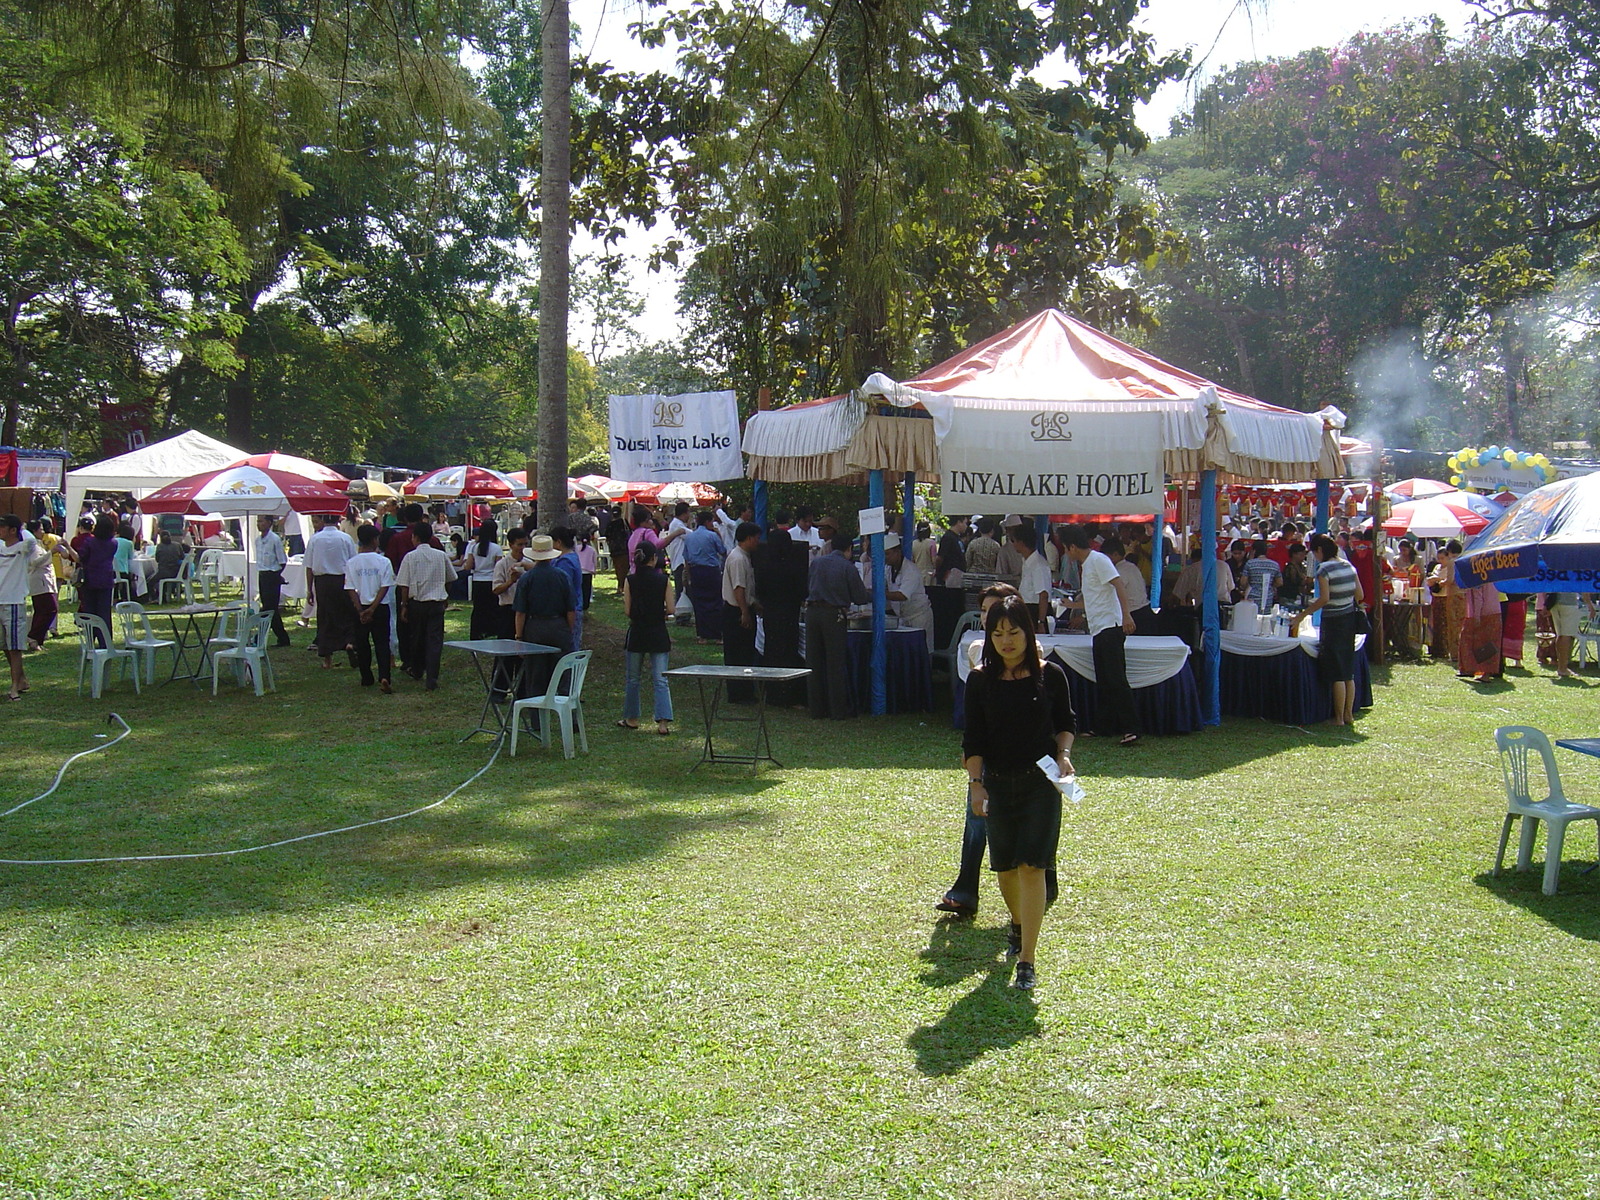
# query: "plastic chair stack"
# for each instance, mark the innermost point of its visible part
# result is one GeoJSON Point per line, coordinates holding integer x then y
{"type": "Point", "coordinates": [96, 650]}
{"type": "Point", "coordinates": [209, 574]}
{"type": "Point", "coordinates": [249, 654]}
{"type": "Point", "coordinates": [1518, 745]}
{"type": "Point", "coordinates": [138, 636]}
{"type": "Point", "coordinates": [965, 623]}
{"type": "Point", "coordinates": [563, 699]}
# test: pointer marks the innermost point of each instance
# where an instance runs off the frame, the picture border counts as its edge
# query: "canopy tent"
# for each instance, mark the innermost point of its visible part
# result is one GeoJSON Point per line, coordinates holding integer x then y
{"type": "Point", "coordinates": [1053, 362]}
{"type": "Point", "coordinates": [142, 471]}
{"type": "Point", "coordinates": [1046, 369]}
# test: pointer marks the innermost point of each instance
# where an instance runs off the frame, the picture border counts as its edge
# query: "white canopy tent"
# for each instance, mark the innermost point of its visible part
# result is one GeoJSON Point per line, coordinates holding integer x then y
{"type": "Point", "coordinates": [140, 472]}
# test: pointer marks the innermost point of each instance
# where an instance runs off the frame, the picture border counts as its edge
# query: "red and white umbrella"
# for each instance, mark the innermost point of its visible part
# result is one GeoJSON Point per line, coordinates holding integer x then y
{"type": "Point", "coordinates": [671, 493]}
{"type": "Point", "coordinates": [295, 465]}
{"type": "Point", "coordinates": [1455, 515]}
{"type": "Point", "coordinates": [609, 489]}
{"type": "Point", "coordinates": [576, 488]}
{"type": "Point", "coordinates": [1419, 489]}
{"type": "Point", "coordinates": [465, 482]}
{"type": "Point", "coordinates": [245, 491]}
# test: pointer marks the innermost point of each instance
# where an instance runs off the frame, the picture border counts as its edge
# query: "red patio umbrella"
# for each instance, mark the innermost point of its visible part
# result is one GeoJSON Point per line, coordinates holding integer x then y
{"type": "Point", "coordinates": [295, 465]}
{"type": "Point", "coordinates": [464, 482]}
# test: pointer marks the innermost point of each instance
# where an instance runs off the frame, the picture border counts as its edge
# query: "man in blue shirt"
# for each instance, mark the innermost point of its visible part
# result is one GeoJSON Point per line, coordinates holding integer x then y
{"type": "Point", "coordinates": [703, 555]}
{"type": "Point", "coordinates": [835, 586]}
{"type": "Point", "coordinates": [569, 566]}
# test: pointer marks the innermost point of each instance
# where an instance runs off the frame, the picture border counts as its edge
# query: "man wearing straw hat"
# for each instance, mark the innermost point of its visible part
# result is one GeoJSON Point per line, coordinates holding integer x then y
{"type": "Point", "coordinates": [545, 609]}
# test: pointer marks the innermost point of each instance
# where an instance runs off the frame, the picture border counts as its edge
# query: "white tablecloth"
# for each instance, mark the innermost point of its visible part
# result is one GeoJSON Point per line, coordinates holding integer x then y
{"type": "Point", "coordinates": [1252, 646]}
{"type": "Point", "coordinates": [231, 564]}
{"type": "Point", "coordinates": [1151, 660]}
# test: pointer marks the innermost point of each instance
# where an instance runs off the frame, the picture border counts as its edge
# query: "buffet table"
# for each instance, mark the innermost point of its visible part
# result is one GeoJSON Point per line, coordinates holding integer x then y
{"type": "Point", "coordinates": [1159, 670]}
{"type": "Point", "coordinates": [1276, 678]}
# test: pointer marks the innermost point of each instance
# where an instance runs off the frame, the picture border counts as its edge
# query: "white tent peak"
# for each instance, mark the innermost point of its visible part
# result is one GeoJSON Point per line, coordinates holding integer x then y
{"type": "Point", "coordinates": [142, 471]}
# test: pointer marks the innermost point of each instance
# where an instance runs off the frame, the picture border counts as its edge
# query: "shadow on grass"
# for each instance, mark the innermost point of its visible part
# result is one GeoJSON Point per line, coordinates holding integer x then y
{"type": "Point", "coordinates": [1572, 909]}
{"type": "Point", "coordinates": [990, 1017]}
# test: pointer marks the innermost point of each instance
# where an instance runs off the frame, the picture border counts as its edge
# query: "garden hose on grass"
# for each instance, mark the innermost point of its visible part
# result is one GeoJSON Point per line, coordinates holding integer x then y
{"type": "Point", "coordinates": [304, 837]}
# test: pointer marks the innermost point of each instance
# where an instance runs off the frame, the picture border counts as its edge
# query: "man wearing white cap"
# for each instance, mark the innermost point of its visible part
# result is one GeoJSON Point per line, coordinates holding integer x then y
{"type": "Point", "coordinates": [908, 598]}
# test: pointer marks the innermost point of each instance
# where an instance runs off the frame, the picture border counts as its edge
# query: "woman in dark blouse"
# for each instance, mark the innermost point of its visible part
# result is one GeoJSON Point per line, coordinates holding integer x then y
{"type": "Point", "coordinates": [647, 601]}
{"type": "Point", "coordinates": [98, 557]}
{"type": "Point", "coordinates": [1018, 711]}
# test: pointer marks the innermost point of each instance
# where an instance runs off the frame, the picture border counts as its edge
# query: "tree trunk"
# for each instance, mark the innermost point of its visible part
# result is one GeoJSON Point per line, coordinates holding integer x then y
{"type": "Point", "coordinates": [18, 381]}
{"type": "Point", "coordinates": [239, 396]}
{"type": "Point", "coordinates": [1514, 360]}
{"type": "Point", "coordinates": [555, 201]}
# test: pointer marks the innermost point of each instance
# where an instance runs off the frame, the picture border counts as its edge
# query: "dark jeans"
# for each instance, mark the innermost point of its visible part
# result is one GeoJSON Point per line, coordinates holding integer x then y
{"type": "Point", "coordinates": [427, 638]}
{"type": "Point", "coordinates": [97, 603]}
{"type": "Point", "coordinates": [705, 594]}
{"type": "Point", "coordinates": [372, 638]}
{"type": "Point", "coordinates": [738, 650]}
{"type": "Point", "coordinates": [269, 586]}
{"type": "Point", "coordinates": [1113, 696]}
{"type": "Point", "coordinates": [828, 685]}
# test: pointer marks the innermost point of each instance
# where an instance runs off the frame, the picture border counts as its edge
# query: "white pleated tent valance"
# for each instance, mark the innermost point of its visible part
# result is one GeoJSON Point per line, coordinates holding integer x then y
{"type": "Point", "coordinates": [1049, 362]}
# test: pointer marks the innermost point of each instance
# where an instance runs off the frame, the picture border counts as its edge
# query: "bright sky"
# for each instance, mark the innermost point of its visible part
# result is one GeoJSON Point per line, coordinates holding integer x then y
{"type": "Point", "coordinates": [1221, 33]}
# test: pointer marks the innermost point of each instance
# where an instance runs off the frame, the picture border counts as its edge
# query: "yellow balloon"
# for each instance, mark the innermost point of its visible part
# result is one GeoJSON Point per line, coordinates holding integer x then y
{"type": "Point", "coordinates": [1455, 481]}
{"type": "Point", "coordinates": [1510, 456]}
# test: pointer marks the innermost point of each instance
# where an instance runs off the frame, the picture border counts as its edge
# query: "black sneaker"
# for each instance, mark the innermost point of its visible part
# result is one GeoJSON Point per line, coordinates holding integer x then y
{"type": "Point", "coordinates": [1014, 941]}
{"type": "Point", "coordinates": [1024, 978]}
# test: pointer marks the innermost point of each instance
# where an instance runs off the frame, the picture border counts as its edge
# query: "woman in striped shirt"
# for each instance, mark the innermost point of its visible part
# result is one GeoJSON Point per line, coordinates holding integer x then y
{"type": "Point", "coordinates": [1338, 595]}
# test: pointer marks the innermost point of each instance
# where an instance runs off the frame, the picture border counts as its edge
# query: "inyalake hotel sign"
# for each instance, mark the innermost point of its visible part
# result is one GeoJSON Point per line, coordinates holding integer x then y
{"type": "Point", "coordinates": [1028, 461]}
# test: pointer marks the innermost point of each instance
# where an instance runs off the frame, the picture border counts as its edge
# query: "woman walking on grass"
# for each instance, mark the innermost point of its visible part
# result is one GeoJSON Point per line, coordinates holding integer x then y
{"type": "Point", "coordinates": [647, 602]}
{"type": "Point", "coordinates": [1018, 711]}
{"type": "Point", "coordinates": [1339, 597]}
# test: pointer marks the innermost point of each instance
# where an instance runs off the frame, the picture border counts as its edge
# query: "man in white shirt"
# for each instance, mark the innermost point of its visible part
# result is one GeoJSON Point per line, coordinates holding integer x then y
{"type": "Point", "coordinates": [424, 575]}
{"type": "Point", "coordinates": [1110, 622]}
{"type": "Point", "coordinates": [327, 552]}
{"type": "Point", "coordinates": [908, 596]}
{"type": "Point", "coordinates": [368, 579]}
{"type": "Point", "coordinates": [18, 558]}
{"type": "Point", "coordinates": [677, 529]}
{"type": "Point", "coordinates": [270, 563]}
{"type": "Point", "coordinates": [1034, 584]}
{"type": "Point", "coordinates": [738, 608]}
{"type": "Point", "coordinates": [806, 532]}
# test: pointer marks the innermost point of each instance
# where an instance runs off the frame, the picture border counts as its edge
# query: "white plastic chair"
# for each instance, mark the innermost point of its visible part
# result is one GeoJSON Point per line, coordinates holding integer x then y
{"type": "Point", "coordinates": [137, 635]}
{"type": "Point", "coordinates": [249, 655]}
{"type": "Point", "coordinates": [965, 623]}
{"type": "Point", "coordinates": [1517, 745]}
{"type": "Point", "coordinates": [209, 574]}
{"type": "Point", "coordinates": [570, 671]}
{"type": "Point", "coordinates": [1588, 639]}
{"type": "Point", "coordinates": [230, 629]}
{"type": "Point", "coordinates": [96, 650]}
{"type": "Point", "coordinates": [183, 581]}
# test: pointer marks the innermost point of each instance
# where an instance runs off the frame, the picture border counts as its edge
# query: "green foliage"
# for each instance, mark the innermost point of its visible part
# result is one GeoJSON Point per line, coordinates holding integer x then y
{"type": "Point", "coordinates": [1402, 184]}
{"type": "Point", "coordinates": [872, 184]}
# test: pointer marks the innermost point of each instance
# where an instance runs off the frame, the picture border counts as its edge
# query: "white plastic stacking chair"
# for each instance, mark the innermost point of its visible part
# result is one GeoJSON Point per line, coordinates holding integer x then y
{"type": "Point", "coordinates": [183, 582]}
{"type": "Point", "coordinates": [1588, 639]}
{"type": "Point", "coordinates": [249, 655]}
{"type": "Point", "coordinates": [137, 635]}
{"type": "Point", "coordinates": [96, 650]}
{"type": "Point", "coordinates": [209, 573]}
{"type": "Point", "coordinates": [568, 708]}
{"type": "Point", "coordinates": [231, 623]}
{"type": "Point", "coordinates": [1517, 745]}
{"type": "Point", "coordinates": [965, 623]}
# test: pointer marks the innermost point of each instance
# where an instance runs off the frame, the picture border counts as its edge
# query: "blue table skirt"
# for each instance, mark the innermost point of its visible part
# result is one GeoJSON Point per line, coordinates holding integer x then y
{"type": "Point", "coordinates": [1284, 687]}
{"type": "Point", "coordinates": [908, 675]}
{"type": "Point", "coordinates": [1171, 706]}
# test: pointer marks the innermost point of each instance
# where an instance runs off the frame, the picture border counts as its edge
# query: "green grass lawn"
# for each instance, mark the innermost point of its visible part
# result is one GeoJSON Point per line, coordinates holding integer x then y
{"type": "Point", "coordinates": [1279, 967]}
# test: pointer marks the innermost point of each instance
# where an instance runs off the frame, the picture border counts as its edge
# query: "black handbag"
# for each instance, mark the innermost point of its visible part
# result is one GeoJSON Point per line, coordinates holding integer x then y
{"type": "Point", "coordinates": [1362, 624]}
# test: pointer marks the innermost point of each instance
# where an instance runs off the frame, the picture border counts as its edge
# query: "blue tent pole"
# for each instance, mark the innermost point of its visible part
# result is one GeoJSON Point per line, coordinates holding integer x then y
{"type": "Point", "coordinates": [908, 506]}
{"type": "Point", "coordinates": [1158, 548]}
{"type": "Point", "coordinates": [1323, 494]}
{"type": "Point", "coordinates": [759, 502]}
{"type": "Point", "coordinates": [880, 601]}
{"type": "Point", "coordinates": [1211, 619]}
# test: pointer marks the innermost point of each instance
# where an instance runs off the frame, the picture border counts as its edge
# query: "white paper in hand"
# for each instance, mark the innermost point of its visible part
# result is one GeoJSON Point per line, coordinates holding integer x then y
{"type": "Point", "coordinates": [1067, 784]}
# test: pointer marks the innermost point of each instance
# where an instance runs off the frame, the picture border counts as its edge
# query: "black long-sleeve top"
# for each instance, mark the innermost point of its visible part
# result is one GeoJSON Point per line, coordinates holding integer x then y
{"type": "Point", "coordinates": [1012, 723]}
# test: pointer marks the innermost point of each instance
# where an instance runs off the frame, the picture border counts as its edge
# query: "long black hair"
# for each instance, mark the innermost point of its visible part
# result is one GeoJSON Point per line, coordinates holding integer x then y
{"type": "Point", "coordinates": [487, 532]}
{"type": "Point", "coordinates": [1013, 609]}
